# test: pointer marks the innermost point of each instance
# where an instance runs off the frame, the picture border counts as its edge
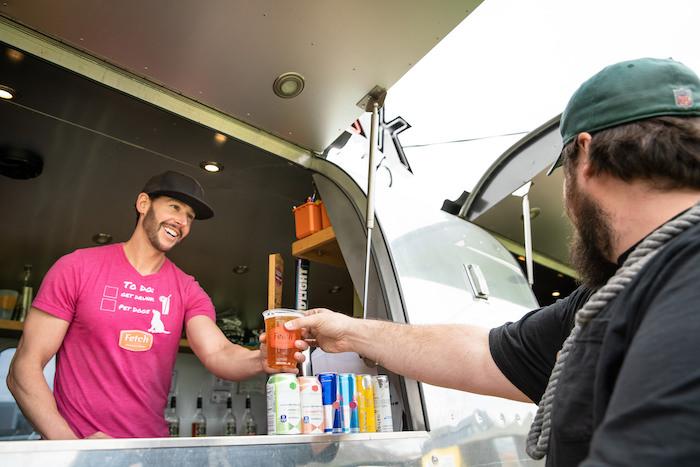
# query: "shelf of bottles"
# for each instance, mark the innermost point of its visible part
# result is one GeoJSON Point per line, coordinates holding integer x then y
{"type": "Point", "coordinates": [198, 423]}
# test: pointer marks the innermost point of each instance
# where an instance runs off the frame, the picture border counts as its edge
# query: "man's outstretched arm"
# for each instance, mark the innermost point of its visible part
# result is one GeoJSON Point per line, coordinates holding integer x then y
{"type": "Point", "coordinates": [454, 356]}
{"type": "Point", "coordinates": [223, 358]}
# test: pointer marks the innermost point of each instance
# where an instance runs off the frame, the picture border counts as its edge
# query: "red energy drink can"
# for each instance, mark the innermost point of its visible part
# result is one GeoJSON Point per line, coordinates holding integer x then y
{"type": "Point", "coordinates": [348, 403]}
{"type": "Point", "coordinates": [330, 395]}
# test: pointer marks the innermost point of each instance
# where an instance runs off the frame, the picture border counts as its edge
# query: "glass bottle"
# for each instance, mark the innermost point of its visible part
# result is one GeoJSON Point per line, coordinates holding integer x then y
{"type": "Point", "coordinates": [249, 426]}
{"type": "Point", "coordinates": [229, 418]}
{"type": "Point", "coordinates": [25, 299]}
{"type": "Point", "coordinates": [199, 421]}
{"type": "Point", "coordinates": [172, 419]}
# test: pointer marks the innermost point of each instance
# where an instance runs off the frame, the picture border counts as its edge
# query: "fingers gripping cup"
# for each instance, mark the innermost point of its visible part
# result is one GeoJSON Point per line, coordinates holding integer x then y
{"type": "Point", "coordinates": [280, 341]}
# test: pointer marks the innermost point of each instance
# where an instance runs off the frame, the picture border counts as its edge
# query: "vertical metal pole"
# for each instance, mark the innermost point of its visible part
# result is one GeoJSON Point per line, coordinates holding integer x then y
{"type": "Point", "coordinates": [528, 238]}
{"type": "Point", "coordinates": [369, 215]}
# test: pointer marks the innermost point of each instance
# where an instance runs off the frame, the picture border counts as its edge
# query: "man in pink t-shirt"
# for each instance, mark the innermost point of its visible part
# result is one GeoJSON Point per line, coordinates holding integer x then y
{"type": "Point", "coordinates": [114, 315]}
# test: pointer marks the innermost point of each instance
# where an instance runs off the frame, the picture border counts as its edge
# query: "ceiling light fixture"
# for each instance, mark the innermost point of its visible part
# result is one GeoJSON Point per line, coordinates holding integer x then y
{"type": "Point", "coordinates": [7, 92]}
{"type": "Point", "coordinates": [211, 166]}
{"type": "Point", "coordinates": [521, 258]}
{"type": "Point", "coordinates": [240, 269]}
{"type": "Point", "coordinates": [14, 55]}
{"type": "Point", "coordinates": [288, 85]}
{"type": "Point", "coordinates": [102, 238]}
{"type": "Point", "coordinates": [556, 293]}
{"type": "Point", "coordinates": [220, 138]}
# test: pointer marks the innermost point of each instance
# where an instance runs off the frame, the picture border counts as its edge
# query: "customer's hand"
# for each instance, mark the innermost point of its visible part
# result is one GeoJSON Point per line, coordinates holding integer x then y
{"type": "Point", "coordinates": [326, 329]}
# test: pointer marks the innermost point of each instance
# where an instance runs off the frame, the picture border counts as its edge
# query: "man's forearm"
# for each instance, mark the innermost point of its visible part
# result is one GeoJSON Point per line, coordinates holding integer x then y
{"type": "Point", "coordinates": [37, 403]}
{"type": "Point", "coordinates": [234, 363]}
{"type": "Point", "coordinates": [454, 356]}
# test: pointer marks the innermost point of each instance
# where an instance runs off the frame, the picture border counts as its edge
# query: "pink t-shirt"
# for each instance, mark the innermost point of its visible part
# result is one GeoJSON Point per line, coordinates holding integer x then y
{"type": "Point", "coordinates": [114, 368]}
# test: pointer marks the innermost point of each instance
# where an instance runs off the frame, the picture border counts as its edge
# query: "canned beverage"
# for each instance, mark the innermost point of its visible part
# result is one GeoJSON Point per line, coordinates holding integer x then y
{"type": "Point", "coordinates": [283, 405]}
{"type": "Point", "coordinates": [332, 415]}
{"type": "Point", "coordinates": [382, 403]}
{"type": "Point", "coordinates": [348, 402]}
{"type": "Point", "coordinates": [311, 405]}
{"type": "Point", "coordinates": [365, 404]}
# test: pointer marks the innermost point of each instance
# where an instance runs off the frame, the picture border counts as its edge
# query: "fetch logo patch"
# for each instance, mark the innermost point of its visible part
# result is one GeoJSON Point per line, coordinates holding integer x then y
{"type": "Point", "coordinates": [684, 97]}
{"type": "Point", "coordinates": [135, 340]}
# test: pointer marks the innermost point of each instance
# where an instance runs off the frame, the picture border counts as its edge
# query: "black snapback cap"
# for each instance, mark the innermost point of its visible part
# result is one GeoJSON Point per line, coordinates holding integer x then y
{"type": "Point", "coordinates": [180, 187]}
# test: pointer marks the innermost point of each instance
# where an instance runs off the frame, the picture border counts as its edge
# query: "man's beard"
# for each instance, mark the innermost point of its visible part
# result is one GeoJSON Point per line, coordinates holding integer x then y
{"type": "Point", "coordinates": [152, 227]}
{"type": "Point", "coordinates": [591, 245]}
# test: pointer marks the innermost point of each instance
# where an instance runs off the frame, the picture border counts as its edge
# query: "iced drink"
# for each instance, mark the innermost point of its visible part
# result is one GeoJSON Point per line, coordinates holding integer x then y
{"type": "Point", "coordinates": [280, 341]}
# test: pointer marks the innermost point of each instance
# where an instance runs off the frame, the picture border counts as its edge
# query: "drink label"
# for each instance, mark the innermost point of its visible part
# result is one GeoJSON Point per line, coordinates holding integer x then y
{"type": "Point", "coordinates": [280, 338]}
{"type": "Point", "coordinates": [173, 429]}
{"type": "Point", "coordinates": [230, 428]}
{"type": "Point", "coordinates": [199, 429]}
{"type": "Point", "coordinates": [311, 405]}
{"type": "Point", "coordinates": [365, 404]}
{"type": "Point", "coordinates": [382, 404]}
{"type": "Point", "coordinates": [283, 405]}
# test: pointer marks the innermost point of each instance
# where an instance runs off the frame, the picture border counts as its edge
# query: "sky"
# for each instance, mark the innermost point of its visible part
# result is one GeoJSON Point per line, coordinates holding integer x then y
{"type": "Point", "coordinates": [512, 65]}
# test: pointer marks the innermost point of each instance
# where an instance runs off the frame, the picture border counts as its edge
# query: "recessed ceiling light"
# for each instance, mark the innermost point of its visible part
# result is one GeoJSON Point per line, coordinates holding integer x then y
{"type": "Point", "coordinates": [556, 293]}
{"type": "Point", "coordinates": [521, 258]}
{"type": "Point", "coordinates": [240, 269]}
{"type": "Point", "coordinates": [211, 166]}
{"type": "Point", "coordinates": [102, 238]}
{"type": "Point", "coordinates": [7, 92]}
{"type": "Point", "coordinates": [220, 138]}
{"type": "Point", "coordinates": [288, 85]}
{"type": "Point", "coordinates": [14, 55]}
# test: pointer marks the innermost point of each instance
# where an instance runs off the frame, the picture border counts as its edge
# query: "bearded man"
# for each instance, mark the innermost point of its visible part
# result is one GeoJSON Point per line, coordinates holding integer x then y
{"type": "Point", "coordinates": [620, 350]}
{"type": "Point", "coordinates": [114, 315]}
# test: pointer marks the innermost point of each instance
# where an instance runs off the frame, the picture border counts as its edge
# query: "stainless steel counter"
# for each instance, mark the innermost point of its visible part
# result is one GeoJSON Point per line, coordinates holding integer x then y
{"type": "Point", "coordinates": [404, 448]}
{"type": "Point", "coordinates": [477, 441]}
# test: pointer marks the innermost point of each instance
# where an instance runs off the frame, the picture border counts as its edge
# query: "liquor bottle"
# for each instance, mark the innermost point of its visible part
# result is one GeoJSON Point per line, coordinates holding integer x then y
{"type": "Point", "coordinates": [199, 421]}
{"type": "Point", "coordinates": [229, 418]}
{"type": "Point", "coordinates": [249, 426]}
{"type": "Point", "coordinates": [25, 299]}
{"type": "Point", "coordinates": [172, 419]}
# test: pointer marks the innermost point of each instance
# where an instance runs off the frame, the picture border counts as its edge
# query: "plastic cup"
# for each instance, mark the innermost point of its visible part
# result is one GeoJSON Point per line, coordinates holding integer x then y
{"type": "Point", "coordinates": [8, 299]}
{"type": "Point", "coordinates": [280, 341]}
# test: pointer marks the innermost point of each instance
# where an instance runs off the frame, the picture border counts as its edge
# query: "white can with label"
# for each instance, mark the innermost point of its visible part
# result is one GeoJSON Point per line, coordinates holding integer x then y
{"type": "Point", "coordinates": [311, 405]}
{"type": "Point", "coordinates": [382, 404]}
{"type": "Point", "coordinates": [283, 405]}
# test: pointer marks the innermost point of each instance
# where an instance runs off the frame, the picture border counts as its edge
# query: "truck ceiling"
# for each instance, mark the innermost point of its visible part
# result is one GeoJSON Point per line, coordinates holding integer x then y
{"type": "Point", "coordinates": [226, 54]}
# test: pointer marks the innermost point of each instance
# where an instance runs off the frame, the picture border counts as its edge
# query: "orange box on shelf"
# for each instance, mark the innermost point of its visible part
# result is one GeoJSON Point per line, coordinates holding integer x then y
{"type": "Point", "coordinates": [325, 221]}
{"type": "Point", "coordinates": [307, 219]}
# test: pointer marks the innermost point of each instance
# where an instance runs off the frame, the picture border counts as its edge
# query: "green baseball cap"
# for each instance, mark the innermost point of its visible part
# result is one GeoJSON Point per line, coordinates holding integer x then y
{"type": "Point", "coordinates": [630, 91]}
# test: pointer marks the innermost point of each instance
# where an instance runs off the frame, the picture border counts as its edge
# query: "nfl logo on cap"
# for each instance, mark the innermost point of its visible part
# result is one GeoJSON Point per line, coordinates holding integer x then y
{"type": "Point", "coordinates": [684, 97]}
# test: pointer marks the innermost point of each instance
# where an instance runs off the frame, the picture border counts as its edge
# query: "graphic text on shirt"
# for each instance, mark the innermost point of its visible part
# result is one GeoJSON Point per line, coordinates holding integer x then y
{"type": "Point", "coordinates": [132, 298]}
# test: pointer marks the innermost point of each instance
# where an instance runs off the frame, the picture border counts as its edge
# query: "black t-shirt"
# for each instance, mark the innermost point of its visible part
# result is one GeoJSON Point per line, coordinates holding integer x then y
{"type": "Point", "coordinates": [630, 390]}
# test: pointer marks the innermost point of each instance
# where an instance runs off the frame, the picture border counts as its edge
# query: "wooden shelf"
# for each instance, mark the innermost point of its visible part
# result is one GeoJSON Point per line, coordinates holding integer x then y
{"type": "Point", "coordinates": [11, 328]}
{"type": "Point", "coordinates": [185, 346]}
{"type": "Point", "coordinates": [320, 247]}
